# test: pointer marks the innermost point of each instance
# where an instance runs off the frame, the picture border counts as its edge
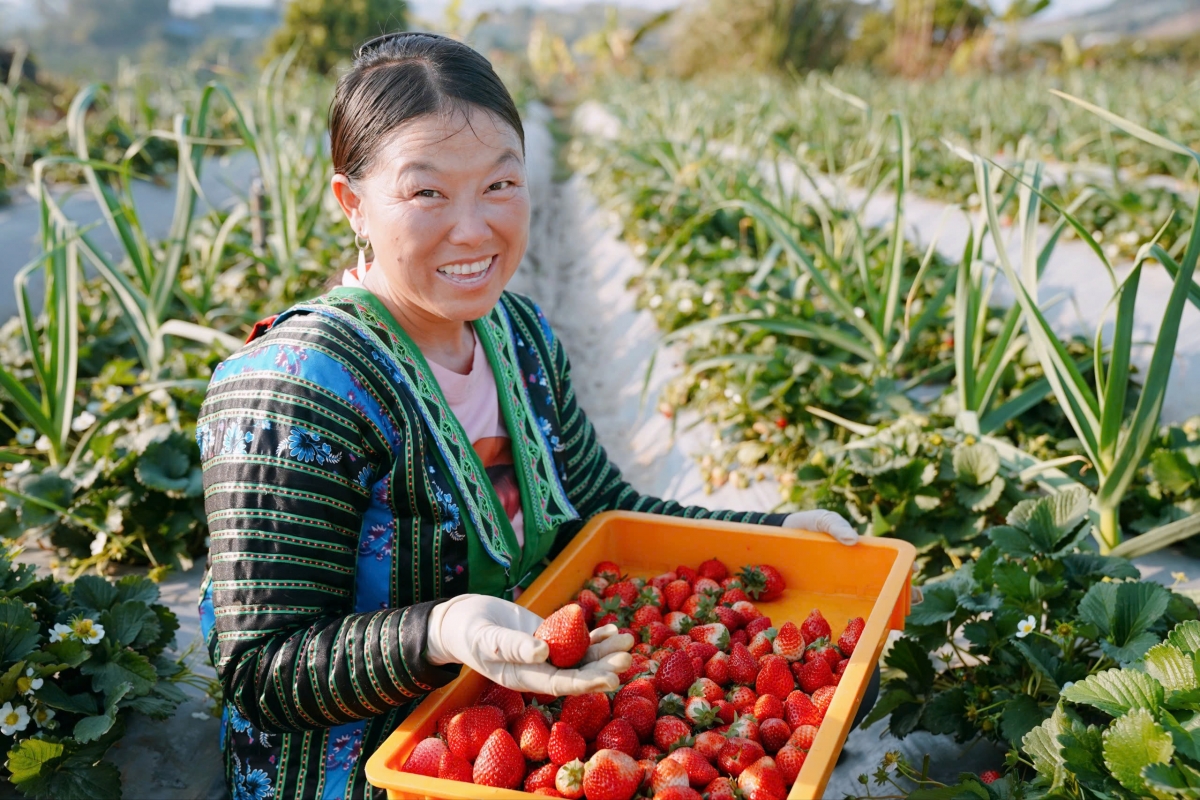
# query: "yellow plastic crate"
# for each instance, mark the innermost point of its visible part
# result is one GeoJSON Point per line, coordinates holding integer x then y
{"type": "Point", "coordinates": [870, 580]}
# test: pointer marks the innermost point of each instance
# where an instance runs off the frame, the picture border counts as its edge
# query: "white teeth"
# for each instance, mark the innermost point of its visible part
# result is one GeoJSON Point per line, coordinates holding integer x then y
{"type": "Point", "coordinates": [466, 269]}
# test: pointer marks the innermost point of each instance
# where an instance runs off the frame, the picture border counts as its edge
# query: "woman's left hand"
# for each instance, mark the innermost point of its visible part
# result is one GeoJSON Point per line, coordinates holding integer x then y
{"type": "Point", "coordinates": [823, 521]}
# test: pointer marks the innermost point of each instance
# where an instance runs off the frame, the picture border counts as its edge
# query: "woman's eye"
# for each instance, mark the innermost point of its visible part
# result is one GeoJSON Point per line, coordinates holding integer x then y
{"type": "Point", "coordinates": [498, 184]}
{"type": "Point", "coordinates": [428, 193]}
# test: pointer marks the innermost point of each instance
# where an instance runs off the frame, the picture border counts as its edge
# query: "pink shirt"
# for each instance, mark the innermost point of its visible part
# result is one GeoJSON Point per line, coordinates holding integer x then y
{"type": "Point", "coordinates": [475, 401]}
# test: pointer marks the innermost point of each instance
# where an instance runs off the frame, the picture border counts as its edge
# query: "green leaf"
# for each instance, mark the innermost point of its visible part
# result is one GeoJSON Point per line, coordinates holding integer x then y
{"type": "Point", "coordinates": [1042, 745]}
{"type": "Point", "coordinates": [1086, 565]}
{"type": "Point", "coordinates": [911, 659]}
{"type": "Point", "coordinates": [1012, 541]}
{"type": "Point", "coordinates": [124, 621]}
{"type": "Point", "coordinates": [1172, 469]}
{"type": "Point", "coordinates": [18, 630]}
{"type": "Point", "coordinates": [8, 681]}
{"type": "Point", "coordinates": [1122, 612]}
{"type": "Point", "coordinates": [980, 498]}
{"type": "Point", "coordinates": [1135, 741]}
{"type": "Point", "coordinates": [969, 790]}
{"type": "Point", "coordinates": [1171, 667]}
{"type": "Point", "coordinates": [891, 698]}
{"type": "Point", "coordinates": [1186, 636]}
{"type": "Point", "coordinates": [1083, 752]}
{"type": "Point", "coordinates": [1066, 509]}
{"type": "Point", "coordinates": [30, 756]}
{"type": "Point", "coordinates": [976, 464]}
{"type": "Point", "coordinates": [126, 666]}
{"type": "Point", "coordinates": [1041, 659]}
{"type": "Point", "coordinates": [1186, 737]}
{"type": "Point", "coordinates": [89, 729]}
{"type": "Point", "coordinates": [1133, 649]}
{"type": "Point", "coordinates": [71, 652]}
{"type": "Point", "coordinates": [938, 605]}
{"type": "Point", "coordinates": [166, 466]}
{"type": "Point", "coordinates": [93, 592]}
{"type": "Point", "coordinates": [137, 588]}
{"type": "Point", "coordinates": [1117, 691]}
{"type": "Point", "coordinates": [1021, 715]}
{"type": "Point", "coordinates": [1172, 780]}
{"type": "Point", "coordinates": [945, 712]}
{"type": "Point", "coordinates": [54, 696]}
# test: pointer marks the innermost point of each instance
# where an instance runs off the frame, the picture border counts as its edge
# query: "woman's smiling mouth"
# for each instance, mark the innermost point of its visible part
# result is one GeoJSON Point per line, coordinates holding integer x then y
{"type": "Point", "coordinates": [474, 272]}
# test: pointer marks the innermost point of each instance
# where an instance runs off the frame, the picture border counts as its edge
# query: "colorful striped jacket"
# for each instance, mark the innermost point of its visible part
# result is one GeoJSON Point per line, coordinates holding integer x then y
{"type": "Point", "coordinates": [344, 501]}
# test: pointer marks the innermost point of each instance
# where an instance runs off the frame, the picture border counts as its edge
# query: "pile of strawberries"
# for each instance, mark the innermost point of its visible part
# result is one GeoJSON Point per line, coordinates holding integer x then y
{"type": "Point", "coordinates": [718, 702]}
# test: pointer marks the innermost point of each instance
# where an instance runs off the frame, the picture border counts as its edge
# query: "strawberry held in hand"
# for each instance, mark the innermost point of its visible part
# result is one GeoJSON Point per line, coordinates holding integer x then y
{"type": "Point", "coordinates": [566, 633]}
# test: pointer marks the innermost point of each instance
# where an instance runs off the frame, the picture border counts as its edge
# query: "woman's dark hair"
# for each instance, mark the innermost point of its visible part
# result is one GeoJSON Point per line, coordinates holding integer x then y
{"type": "Point", "coordinates": [401, 76]}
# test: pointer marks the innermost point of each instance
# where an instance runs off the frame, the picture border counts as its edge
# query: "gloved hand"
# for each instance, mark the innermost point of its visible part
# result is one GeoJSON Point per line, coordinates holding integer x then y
{"type": "Point", "coordinates": [823, 521]}
{"type": "Point", "coordinates": [495, 638]}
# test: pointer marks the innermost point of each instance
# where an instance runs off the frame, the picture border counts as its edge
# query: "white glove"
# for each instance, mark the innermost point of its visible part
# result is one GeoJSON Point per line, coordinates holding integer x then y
{"type": "Point", "coordinates": [823, 521]}
{"type": "Point", "coordinates": [495, 638]}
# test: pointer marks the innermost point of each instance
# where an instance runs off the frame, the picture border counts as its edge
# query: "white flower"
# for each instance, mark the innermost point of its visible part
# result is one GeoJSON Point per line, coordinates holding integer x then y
{"type": "Point", "coordinates": [111, 428]}
{"type": "Point", "coordinates": [25, 436]}
{"type": "Point", "coordinates": [88, 631]}
{"type": "Point", "coordinates": [656, 301]}
{"type": "Point", "coordinates": [22, 468]}
{"type": "Point", "coordinates": [60, 632]}
{"type": "Point", "coordinates": [686, 305]}
{"type": "Point", "coordinates": [43, 443]}
{"type": "Point", "coordinates": [94, 407]}
{"type": "Point", "coordinates": [43, 714]}
{"type": "Point", "coordinates": [84, 421]}
{"type": "Point", "coordinates": [1026, 626]}
{"type": "Point", "coordinates": [160, 396]}
{"type": "Point", "coordinates": [113, 394]}
{"type": "Point", "coordinates": [99, 543]}
{"type": "Point", "coordinates": [13, 719]}
{"type": "Point", "coordinates": [35, 683]}
{"type": "Point", "coordinates": [859, 312]}
{"type": "Point", "coordinates": [708, 298]}
{"type": "Point", "coordinates": [115, 520]}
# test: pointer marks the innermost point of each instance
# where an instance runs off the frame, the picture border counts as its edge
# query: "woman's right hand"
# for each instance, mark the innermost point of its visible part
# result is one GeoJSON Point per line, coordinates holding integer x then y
{"type": "Point", "coordinates": [495, 638]}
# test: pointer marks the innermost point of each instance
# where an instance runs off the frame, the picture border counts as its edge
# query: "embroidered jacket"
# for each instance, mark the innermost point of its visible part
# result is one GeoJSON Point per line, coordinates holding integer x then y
{"type": "Point", "coordinates": [344, 501]}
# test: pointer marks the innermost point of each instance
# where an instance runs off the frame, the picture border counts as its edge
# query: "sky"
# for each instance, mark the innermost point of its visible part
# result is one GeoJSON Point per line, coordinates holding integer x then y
{"type": "Point", "coordinates": [432, 8]}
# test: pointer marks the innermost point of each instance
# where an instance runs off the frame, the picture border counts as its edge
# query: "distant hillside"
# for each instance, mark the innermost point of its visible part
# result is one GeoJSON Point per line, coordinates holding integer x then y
{"type": "Point", "coordinates": [1151, 19]}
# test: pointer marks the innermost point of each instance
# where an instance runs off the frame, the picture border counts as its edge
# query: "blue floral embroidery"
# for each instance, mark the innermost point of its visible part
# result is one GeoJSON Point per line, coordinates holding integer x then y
{"type": "Point", "coordinates": [451, 522]}
{"type": "Point", "coordinates": [264, 424]}
{"type": "Point", "coordinates": [289, 357]}
{"type": "Point", "coordinates": [548, 432]}
{"type": "Point", "coordinates": [236, 440]}
{"type": "Point", "coordinates": [345, 751]}
{"type": "Point", "coordinates": [364, 477]}
{"type": "Point", "coordinates": [378, 540]}
{"type": "Point", "coordinates": [452, 572]}
{"type": "Point", "coordinates": [239, 723]}
{"type": "Point", "coordinates": [253, 784]}
{"type": "Point", "coordinates": [307, 446]}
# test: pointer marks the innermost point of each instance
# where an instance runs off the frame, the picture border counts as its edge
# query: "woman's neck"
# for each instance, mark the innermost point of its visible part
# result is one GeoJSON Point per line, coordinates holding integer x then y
{"type": "Point", "coordinates": [447, 343]}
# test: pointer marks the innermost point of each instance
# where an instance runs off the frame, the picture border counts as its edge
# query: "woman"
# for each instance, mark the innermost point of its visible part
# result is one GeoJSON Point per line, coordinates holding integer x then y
{"type": "Point", "coordinates": [408, 437]}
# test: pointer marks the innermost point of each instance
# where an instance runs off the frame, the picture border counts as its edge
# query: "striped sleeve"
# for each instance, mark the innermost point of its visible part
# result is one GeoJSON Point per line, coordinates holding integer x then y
{"type": "Point", "coordinates": [594, 483]}
{"type": "Point", "coordinates": [290, 440]}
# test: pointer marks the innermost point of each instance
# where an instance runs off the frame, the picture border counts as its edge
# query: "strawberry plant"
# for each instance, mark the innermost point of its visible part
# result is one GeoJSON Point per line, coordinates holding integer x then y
{"type": "Point", "coordinates": [1011, 631]}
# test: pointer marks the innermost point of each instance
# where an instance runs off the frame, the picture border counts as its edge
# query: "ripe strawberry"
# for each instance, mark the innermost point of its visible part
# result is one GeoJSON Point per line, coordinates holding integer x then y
{"type": "Point", "coordinates": [721, 789]}
{"type": "Point", "coordinates": [639, 712]}
{"type": "Point", "coordinates": [500, 762]}
{"type": "Point", "coordinates": [725, 711]}
{"type": "Point", "coordinates": [608, 570]}
{"type": "Point", "coordinates": [757, 626]}
{"type": "Point", "coordinates": [660, 655]}
{"type": "Point", "coordinates": [589, 601]}
{"type": "Point", "coordinates": [660, 581]}
{"type": "Point", "coordinates": [739, 637]}
{"type": "Point", "coordinates": [815, 627]}
{"type": "Point", "coordinates": [678, 793]}
{"type": "Point", "coordinates": [700, 771]}
{"type": "Point", "coordinates": [840, 669]}
{"type": "Point", "coordinates": [789, 760]}
{"type": "Point", "coordinates": [638, 665]}
{"type": "Point", "coordinates": [747, 609]}
{"type": "Point", "coordinates": [649, 751]}
{"type": "Point", "coordinates": [596, 584]}
{"type": "Point", "coordinates": [639, 687]}
{"type": "Point", "coordinates": [541, 777]}
{"type": "Point", "coordinates": [687, 574]}
{"type": "Point", "coordinates": [470, 728]}
{"type": "Point", "coordinates": [743, 666]}
{"type": "Point", "coordinates": [708, 744]}
{"type": "Point", "coordinates": [679, 641]}
{"type": "Point", "coordinates": [532, 734]}
{"type": "Point", "coordinates": [716, 669]}
{"type": "Point", "coordinates": [766, 707]}
{"type": "Point", "coordinates": [713, 569]}
{"type": "Point", "coordinates": [569, 779]}
{"type": "Point", "coordinates": [611, 775]}
{"type": "Point", "coordinates": [989, 776]}
{"type": "Point", "coordinates": [774, 677]}
{"type": "Point", "coordinates": [644, 616]}
{"type": "Point", "coordinates": [668, 731]}
{"type": "Point", "coordinates": [565, 744]}
{"type": "Point", "coordinates": [742, 698]}
{"type": "Point", "coordinates": [775, 734]}
{"type": "Point", "coordinates": [607, 618]}
{"type": "Point", "coordinates": [586, 713]}
{"type": "Point", "coordinates": [708, 689]}
{"type": "Point", "coordinates": [619, 734]}
{"type": "Point", "coordinates": [799, 710]}
{"type": "Point", "coordinates": [803, 736]}
{"type": "Point", "coordinates": [656, 633]}
{"type": "Point", "coordinates": [668, 773]}
{"type": "Point", "coordinates": [813, 675]}
{"type": "Point", "coordinates": [650, 595]}
{"type": "Point", "coordinates": [715, 634]}
{"type": "Point", "coordinates": [731, 596]}
{"type": "Point", "coordinates": [762, 643]}
{"type": "Point", "coordinates": [849, 638]}
{"type": "Point", "coordinates": [738, 754]}
{"type": "Point", "coordinates": [726, 616]}
{"type": "Point", "coordinates": [508, 701]}
{"type": "Point", "coordinates": [821, 648]}
{"type": "Point", "coordinates": [745, 727]}
{"type": "Point", "coordinates": [675, 674]}
{"type": "Point", "coordinates": [674, 593]}
{"type": "Point", "coordinates": [671, 705]}
{"type": "Point", "coordinates": [699, 607]}
{"type": "Point", "coordinates": [453, 768]}
{"type": "Point", "coordinates": [424, 758]}
{"type": "Point", "coordinates": [762, 582]}
{"type": "Point", "coordinates": [627, 591]}
{"type": "Point", "coordinates": [699, 712]}
{"type": "Point", "coordinates": [566, 633]}
{"type": "Point", "coordinates": [678, 622]}
{"type": "Point", "coordinates": [762, 781]}
{"type": "Point", "coordinates": [707, 586]}
{"type": "Point", "coordinates": [789, 642]}
{"type": "Point", "coordinates": [822, 697]}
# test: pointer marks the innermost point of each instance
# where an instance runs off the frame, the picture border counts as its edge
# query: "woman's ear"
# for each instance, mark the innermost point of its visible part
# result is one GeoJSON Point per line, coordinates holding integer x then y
{"type": "Point", "coordinates": [350, 202]}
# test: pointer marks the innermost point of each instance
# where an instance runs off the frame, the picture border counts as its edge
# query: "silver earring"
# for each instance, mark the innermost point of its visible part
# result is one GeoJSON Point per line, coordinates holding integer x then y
{"type": "Point", "coordinates": [362, 253]}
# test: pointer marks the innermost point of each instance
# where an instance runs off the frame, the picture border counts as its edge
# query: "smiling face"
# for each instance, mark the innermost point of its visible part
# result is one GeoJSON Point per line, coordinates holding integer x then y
{"type": "Point", "coordinates": [446, 207]}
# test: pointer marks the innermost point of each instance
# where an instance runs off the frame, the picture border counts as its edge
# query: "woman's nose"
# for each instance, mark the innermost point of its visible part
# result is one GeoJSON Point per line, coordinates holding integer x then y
{"type": "Point", "coordinates": [471, 227]}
